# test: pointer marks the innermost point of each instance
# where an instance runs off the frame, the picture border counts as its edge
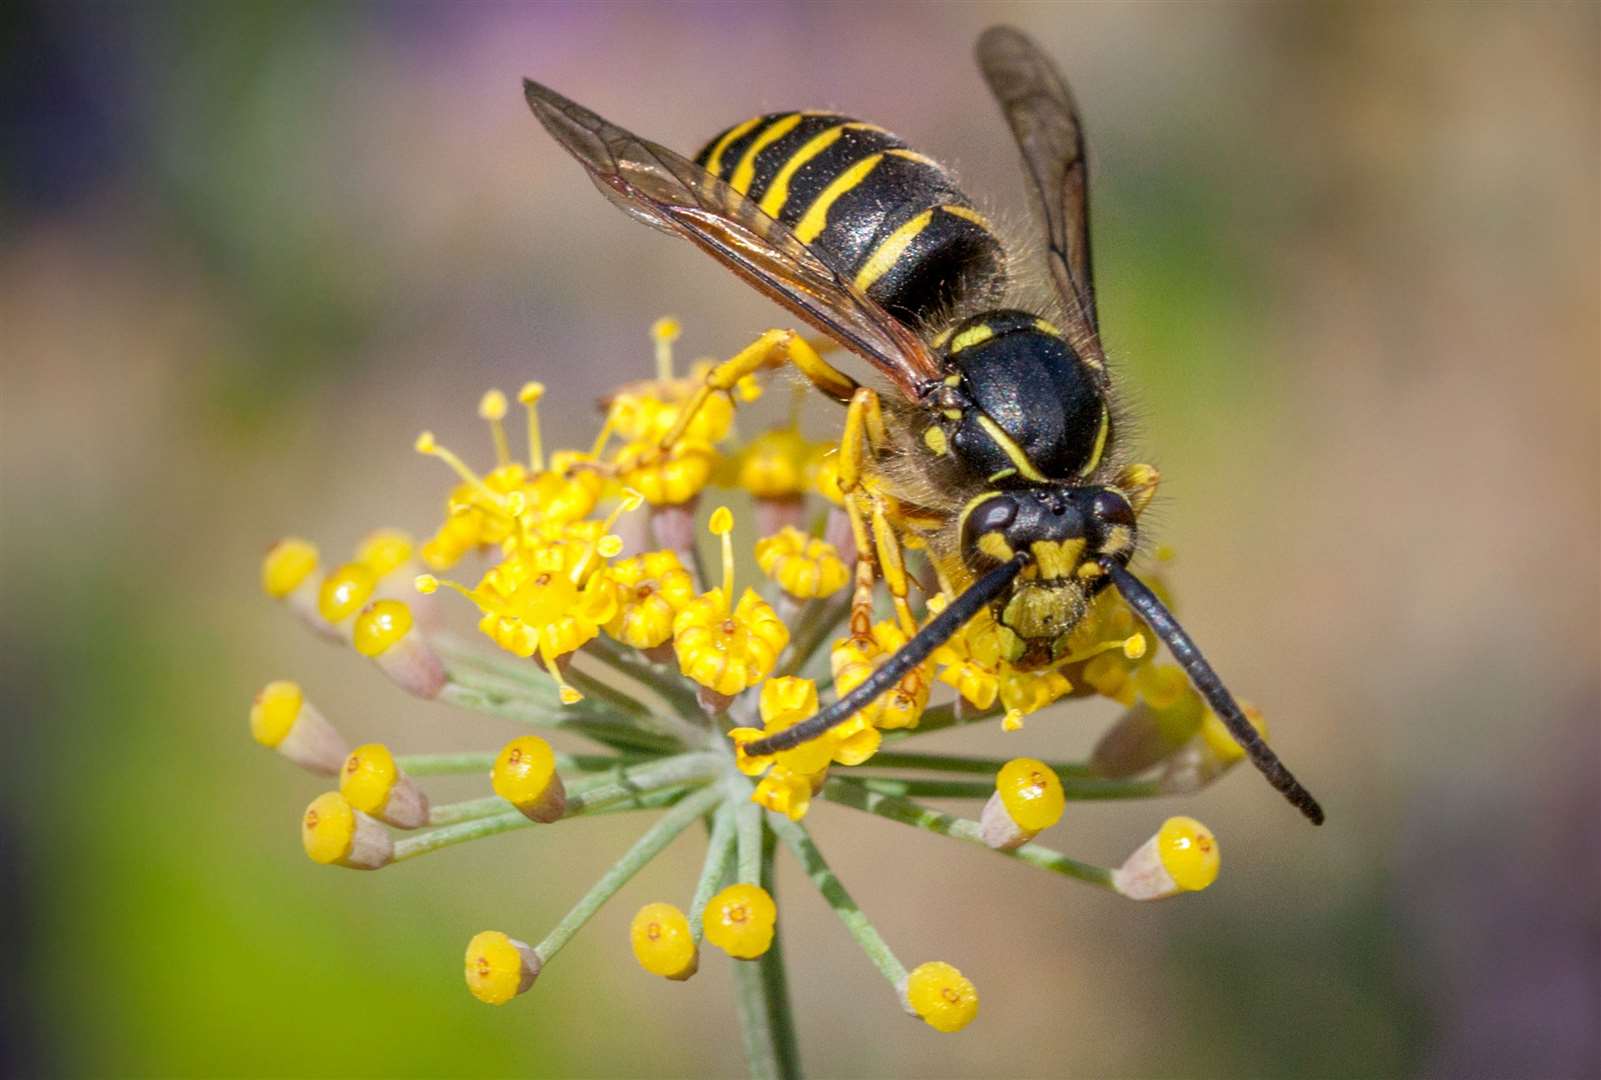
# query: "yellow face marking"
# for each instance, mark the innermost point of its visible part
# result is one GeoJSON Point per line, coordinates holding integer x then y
{"type": "Point", "coordinates": [1057, 559]}
{"type": "Point", "coordinates": [714, 163]}
{"type": "Point", "coordinates": [1002, 475]}
{"type": "Point", "coordinates": [887, 253]}
{"type": "Point", "coordinates": [745, 172]}
{"type": "Point", "coordinates": [778, 191]}
{"type": "Point", "coordinates": [973, 335]}
{"type": "Point", "coordinates": [952, 414]}
{"type": "Point", "coordinates": [1118, 540]}
{"type": "Point", "coordinates": [967, 213]}
{"type": "Point", "coordinates": [1089, 571]}
{"type": "Point", "coordinates": [815, 220]}
{"type": "Point", "coordinates": [1100, 442]}
{"type": "Point", "coordinates": [934, 438]}
{"type": "Point", "coordinates": [1045, 326]}
{"type": "Point", "coordinates": [995, 546]}
{"type": "Point", "coordinates": [913, 155]}
{"type": "Point", "coordinates": [1013, 452]}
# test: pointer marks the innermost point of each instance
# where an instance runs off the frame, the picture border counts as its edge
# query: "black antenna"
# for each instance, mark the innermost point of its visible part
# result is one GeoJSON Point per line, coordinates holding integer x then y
{"type": "Point", "coordinates": [938, 631]}
{"type": "Point", "coordinates": [1206, 681]}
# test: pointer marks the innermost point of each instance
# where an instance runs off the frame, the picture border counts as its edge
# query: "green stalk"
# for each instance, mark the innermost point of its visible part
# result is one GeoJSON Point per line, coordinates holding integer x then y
{"type": "Point", "coordinates": [719, 851]}
{"type": "Point", "coordinates": [853, 795]}
{"type": "Point", "coordinates": [885, 759]}
{"type": "Point", "coordinates": [603, 728]}
{"type": "Point", "coordinates": [811, 859]}
{"type": "Point", "coordinates": [646, 848]}
{"type": "Point", "coordinates": [482, 762]}
{"type": "Point", "coordinates": [761, 992]}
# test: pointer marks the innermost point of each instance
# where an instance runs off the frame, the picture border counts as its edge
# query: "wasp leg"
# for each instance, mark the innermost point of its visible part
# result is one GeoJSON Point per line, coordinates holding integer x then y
{"type": "Point", "coordinates": [772, 349]}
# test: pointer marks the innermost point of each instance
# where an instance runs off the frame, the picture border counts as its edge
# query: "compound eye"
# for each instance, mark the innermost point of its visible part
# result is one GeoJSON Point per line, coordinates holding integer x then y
{"type": "Point", "coordinates": [993, 515]}
{"type": "Point", "coordinates": [1110, 508]}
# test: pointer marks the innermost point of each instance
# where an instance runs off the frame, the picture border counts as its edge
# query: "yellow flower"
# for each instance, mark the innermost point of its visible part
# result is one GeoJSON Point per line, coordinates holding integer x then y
{"type": "Point", "coordinates": [941, 995]}
{"type": "Point", "coordinates": [652, 589]}
{"type": "Point", "coordinates": [784, 791]}
{"type": "Point", "coordinates": [722, 650]}
{"type": "Point", "coordinates": [774, 464]}
{"type": "Point", "coordinates": [524, 774]}
{"type": "Point", "coordinates": [740, 920]}
{"type": "Point", "coordinates": [855, 658]}
{"type": "Point", "coordinates": [662, 942]}
{"type": "Point", "coordinates": [803, 566]}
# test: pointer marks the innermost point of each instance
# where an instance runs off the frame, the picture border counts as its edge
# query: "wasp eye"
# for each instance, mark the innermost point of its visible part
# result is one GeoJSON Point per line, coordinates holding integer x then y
{"type": "Point", "coordinates": [993, 516]}
{"type": "Point", "coordinates": [1110, 508]}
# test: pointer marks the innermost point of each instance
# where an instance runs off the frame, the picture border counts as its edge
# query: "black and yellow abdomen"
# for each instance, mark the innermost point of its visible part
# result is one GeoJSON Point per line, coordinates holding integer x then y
{"type": "Point", "coordinates": [879, 213]}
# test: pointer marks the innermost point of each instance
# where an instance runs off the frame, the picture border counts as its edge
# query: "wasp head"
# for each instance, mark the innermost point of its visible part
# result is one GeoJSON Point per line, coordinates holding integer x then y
{"type": "Point", "coordinates": [1062, 531]}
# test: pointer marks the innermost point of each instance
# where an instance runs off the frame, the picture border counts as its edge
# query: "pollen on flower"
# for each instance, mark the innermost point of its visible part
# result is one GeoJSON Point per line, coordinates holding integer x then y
{"type": "Point", "coordinates": [663, 943]}
{"type": "Point", "coordinates": [941, 995]}
{"type": "Point", "coordinates": [740, 920]}
{"type": "Point", "coordinates": [726, 650]}
{"type": "Point", "coordinates": [498, 968]}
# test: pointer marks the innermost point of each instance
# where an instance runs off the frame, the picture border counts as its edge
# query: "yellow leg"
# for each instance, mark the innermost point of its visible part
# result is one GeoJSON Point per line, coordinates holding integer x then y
{"type": "Point", "coordinates": [875, 538]}
{"type": "Point", "coordinates": [773, 349]}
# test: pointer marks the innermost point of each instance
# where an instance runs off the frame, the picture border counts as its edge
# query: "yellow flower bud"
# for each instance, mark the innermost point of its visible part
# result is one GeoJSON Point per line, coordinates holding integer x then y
{"type": "Point", "coordinates": [662, 942]}
{"type": "Point", "coordinates": [1028, 799]}
{"type": "Point", "coordinates": [1183, 856]}
{"type": "Point", "coordinates": [372, 783]}
{"type": "Point", "coordinates": [525, 775]}
{"type": "Point", "coordinates": [498, 968]}
{"type": "Point", "coordinates": [740, 920]}
{"type": "Point", "coordinates": [283, 720]}
{"type": "Point", "coordinates": [941, 996]}
{"type": "Point", "coordinates": [333, 831]}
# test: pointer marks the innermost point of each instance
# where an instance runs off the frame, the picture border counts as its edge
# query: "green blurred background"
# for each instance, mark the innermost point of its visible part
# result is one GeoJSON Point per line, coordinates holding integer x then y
{"type": "Point", "coordinates": [1348, 269]}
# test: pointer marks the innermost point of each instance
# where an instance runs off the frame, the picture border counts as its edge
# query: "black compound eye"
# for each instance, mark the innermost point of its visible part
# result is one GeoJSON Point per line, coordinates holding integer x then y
{"type": "Point", "coordinates": [993, 515]}
{"type": "Point", "coordinates": [1112, 509]}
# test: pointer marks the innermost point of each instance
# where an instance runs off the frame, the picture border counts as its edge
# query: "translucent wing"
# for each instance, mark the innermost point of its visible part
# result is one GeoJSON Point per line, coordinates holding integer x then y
{"type": "Point", "coordinates": [1045, 123]}
{"type": "Point", "coordinates": [672, 193]}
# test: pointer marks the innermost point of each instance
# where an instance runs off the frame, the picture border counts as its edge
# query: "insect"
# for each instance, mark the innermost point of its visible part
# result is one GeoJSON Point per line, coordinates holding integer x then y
{"type": "Point", "coordinates": [998, 450]}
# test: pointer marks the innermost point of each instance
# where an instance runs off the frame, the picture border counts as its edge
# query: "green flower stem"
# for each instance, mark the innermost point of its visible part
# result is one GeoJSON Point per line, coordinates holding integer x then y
{"type": "Point", "coordinates": [646, 848]}
{"type": "Point", "coordinates": [467, 810]}
{"type": "Point", "coordinates": [719, 852]}
{"type": "Point", "coordinates": [661, 679]}
{"type": "Point", "coordinates": [631, 788]}
{"type": "Point", "coordinates": [878, 951]}
{"type": "Point", "coordinates": [849, 793]}
{"type": "Point", "coordinates": [595, 792]}
{"type": "Point", "coordinates": [748, 830]}
{"type": "Point", "coordinates": [601, 727]}
{"type": "Point", "coordinates": [1076, 789]}
{"type": "Point", "coordinates": [761, 993]}
{"type": "Point", "coordinates": [885, 759]}
{"type": "Point", "coordinates": [469, 763]}
{"type": "Point", "coordinates": [593, 687]}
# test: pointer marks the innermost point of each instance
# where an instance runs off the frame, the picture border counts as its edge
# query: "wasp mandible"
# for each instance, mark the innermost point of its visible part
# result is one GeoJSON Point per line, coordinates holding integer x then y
{"type": "Point", "coordinates": [999, 449]}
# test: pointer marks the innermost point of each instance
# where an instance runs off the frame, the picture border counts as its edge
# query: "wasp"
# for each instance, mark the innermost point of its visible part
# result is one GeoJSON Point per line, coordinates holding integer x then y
{"type": "Point", "coordinates": [998, 451]}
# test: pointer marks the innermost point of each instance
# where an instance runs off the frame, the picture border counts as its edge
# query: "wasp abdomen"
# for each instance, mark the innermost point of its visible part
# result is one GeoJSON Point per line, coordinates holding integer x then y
{"type": "Point", "coordinates": [884, 216]}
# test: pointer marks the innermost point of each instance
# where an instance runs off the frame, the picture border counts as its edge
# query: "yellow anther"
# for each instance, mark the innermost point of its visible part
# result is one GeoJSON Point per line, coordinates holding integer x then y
{"type": "Point", "coordinates": [722, 522]}
{"type": "Point", "coordinates": [492, 407]}
{"type": "Point", "coordinates": [740, 919]}
{"type": "Point", "coordinates": [664, 332]}
{"type": "Point", "coordinates": [662, 941]}
{"type": "Point", "coordinates": [941, 995]}
{"type": "Point", "coordinates": [498, 967]}
{"type": "Point", "coordinates": [1031, 792]}
{"type": "Point", "coordinates": [274, 712]}
{"type": "Point", "coordinates": [426, 584]}
{"type": "Point", "coordinates": [427, 444]}
{"type": "Point", "coordinates": [529, 395]}
{"type": "Point", "coordinates": [1134, 646]}
{"type": "Point", "coordinates": [610, 547]}
{"type": "Point", "coordinates": [345, 591]}
{"type": "Point", "coordinates": [380, 625]}
{"type": "Point", "coordinates": [1189, 852]}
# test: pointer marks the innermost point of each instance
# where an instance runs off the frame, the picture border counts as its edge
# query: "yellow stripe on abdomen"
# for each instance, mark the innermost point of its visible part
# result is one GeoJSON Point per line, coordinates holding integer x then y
{"type": "Point", "coordinates": [778, 191]}
{"type": "Point", "coordinates": [890, 249]}
{"type": "Point", "coordinates": [714, 160]}
{"type": "Point", "coordinates": [745, 171]}
{"type": "Point", "coordinates": [815, 220]}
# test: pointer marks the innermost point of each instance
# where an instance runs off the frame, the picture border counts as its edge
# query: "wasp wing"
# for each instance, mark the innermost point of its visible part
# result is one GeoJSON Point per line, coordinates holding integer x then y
{"type": "Point", "coordinates": [672, 193]}
{"type": "Point", "coordinates": [1044, 120]}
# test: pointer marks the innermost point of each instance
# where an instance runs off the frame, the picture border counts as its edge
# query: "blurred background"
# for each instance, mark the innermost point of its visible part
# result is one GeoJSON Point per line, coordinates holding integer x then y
{"type": "Point", "coordinates": [1348, 267]}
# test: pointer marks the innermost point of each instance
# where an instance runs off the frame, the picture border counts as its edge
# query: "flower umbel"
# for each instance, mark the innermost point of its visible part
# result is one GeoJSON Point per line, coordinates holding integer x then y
{"type": "Point", "coordinates": [643, 683]}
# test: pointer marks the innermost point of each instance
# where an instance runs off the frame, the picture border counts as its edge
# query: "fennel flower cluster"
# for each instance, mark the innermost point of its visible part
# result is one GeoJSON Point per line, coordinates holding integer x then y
{"type": "Point", "coordinates": [599, 619]}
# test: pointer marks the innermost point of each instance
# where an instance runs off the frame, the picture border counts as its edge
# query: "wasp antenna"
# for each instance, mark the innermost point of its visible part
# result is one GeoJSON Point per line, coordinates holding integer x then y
{"type": "Point", "coordinates": [1210, 686]}
{"type": "Point", "coordinates": [938, 631]}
